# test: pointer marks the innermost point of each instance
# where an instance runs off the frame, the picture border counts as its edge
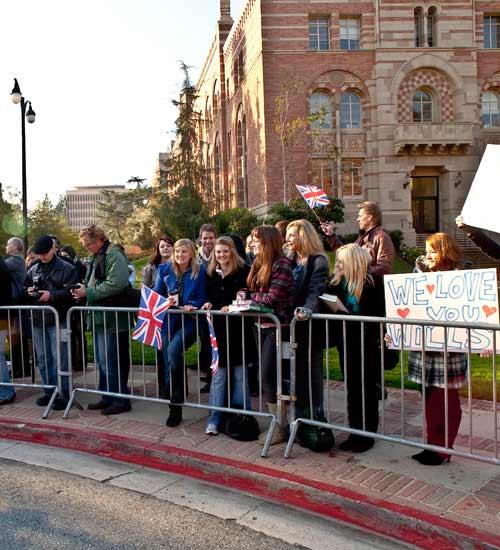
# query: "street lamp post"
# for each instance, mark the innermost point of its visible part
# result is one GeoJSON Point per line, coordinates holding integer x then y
{"type": "Point", "coordinates": [28, 113]}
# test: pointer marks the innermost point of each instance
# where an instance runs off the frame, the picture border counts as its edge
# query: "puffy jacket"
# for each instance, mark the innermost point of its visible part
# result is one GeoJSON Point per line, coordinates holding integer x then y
{"type": "Point", "coordinates": [55, 276]}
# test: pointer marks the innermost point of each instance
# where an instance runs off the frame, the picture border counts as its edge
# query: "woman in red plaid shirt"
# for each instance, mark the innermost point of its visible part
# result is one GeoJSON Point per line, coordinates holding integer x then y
{"type": "Point", "coordinates": [271, 285]}
{"type": "Point", "coordinates": [442, 253]}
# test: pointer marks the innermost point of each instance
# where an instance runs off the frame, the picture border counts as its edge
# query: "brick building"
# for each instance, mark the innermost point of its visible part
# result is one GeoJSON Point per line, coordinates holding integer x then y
{"type": "Point", "coordinates": [408, 92]}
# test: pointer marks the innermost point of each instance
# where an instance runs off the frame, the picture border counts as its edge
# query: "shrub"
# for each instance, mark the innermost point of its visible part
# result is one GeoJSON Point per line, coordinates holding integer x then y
{"type": "Point", "coordinates": [349, 238]}
{"type": "Point", "coordinates": [397, 238]}
{"type": "Point", "coordinates": [297, 209]}
{"type": "Point", "coordinates": [240, 221]}
{"type": "Point", "coordinates": [409, 253]}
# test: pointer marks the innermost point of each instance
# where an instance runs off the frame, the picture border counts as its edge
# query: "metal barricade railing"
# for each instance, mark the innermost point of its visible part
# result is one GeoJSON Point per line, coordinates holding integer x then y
{"type": "Point", "coordinates": [140, 366]}
{"type": "Point", "coordinates": [392, 425]}
{"type": "Point", "coordinates": [31, 345]}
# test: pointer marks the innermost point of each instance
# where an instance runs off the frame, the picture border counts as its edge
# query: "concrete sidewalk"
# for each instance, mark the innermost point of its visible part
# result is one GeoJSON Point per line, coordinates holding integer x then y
{"type": "Point", "coordinates": [456, 505]}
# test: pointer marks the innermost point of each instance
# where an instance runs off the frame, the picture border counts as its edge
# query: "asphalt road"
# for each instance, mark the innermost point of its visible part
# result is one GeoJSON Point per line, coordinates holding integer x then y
{"type": "Point", "coordinates": [41, 508]}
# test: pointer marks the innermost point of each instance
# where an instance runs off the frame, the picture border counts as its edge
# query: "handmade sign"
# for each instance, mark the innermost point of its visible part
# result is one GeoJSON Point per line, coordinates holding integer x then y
{"type": "Point", "coordinates": [481, 206]}
{"type": "Point", "coordinates": [469, 296]}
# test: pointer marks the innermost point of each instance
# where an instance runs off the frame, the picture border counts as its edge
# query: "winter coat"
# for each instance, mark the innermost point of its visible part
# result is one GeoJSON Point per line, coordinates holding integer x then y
{"type": "Point", "coordinates": [17, 270]}
{"type": "Point", "coordinates": [107, 276]}
{"type": "Point", "coordinates": [307, 292]}
{"type": "Point", "coordinates": [5, 293]}
{"type": "Point", "coordinates": [55, 276]}
{"type": "Point", "coordinates": [379, 243]}
{"type": "Point", "coordinates": [191, 292]}
{"type": "Point", "coordinates": [221, 292]}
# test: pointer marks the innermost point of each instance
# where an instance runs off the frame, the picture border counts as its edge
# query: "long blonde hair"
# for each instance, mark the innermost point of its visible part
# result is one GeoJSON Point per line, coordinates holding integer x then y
{"type": "Point", "coordinates": [194, 265]}
{"type": "Point", "coordinates": [237, 261]}
{"type": "Point", "coordinates": [356, 261]}
{"type": "Point", "coordinates": [309, 243]}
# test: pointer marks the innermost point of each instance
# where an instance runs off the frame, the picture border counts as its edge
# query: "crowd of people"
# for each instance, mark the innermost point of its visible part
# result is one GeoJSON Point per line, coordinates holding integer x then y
{"type": "Point", "coordinates": [283, 270]}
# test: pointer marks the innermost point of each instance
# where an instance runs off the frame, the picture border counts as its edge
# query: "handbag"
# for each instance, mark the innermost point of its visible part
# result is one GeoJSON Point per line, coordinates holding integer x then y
{"type": "Point", "coordinates": [240, 426]}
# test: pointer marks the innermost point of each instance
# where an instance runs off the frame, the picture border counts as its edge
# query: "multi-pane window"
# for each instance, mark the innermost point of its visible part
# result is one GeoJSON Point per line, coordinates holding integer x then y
{"type": "Point", "coordinates": [320, 110]}
{"type": "Point", "coordinates": [491, 109]}
{"type": "Point", "coordinates": [322, 175]}
{"type": "Point", "coordinates": [350, 110]}
{"type": "Point", "coordinates": [352, 178]}
{"type": "Point", "coordinates": [491, 25]}
{"type": "Point", "coordinates": [349, 33]}
{"type": "Point", "coordinates": [431, 27]}
{"type": "Point", "coordinates": [422, 106]}
{"type": "Point", "coordinates": [319, 33]}
{"type": "Point", "coordinates": [418, 15]}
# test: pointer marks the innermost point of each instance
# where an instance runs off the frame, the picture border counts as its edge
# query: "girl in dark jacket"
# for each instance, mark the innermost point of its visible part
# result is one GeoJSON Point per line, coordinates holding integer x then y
{"type": "Point", "coordinates": [362, 294]}
{"type": "Point", "coordinates": [310, 275]}
{"type": "Point", "coordinates": [226, 275]}
{"type": "Point", "coordinates": [271, 284]}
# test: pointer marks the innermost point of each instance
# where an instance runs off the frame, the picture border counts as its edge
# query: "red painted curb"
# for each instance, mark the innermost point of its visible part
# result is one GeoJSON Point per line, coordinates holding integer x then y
{"type": "Point", "coordinates": [397, 522]}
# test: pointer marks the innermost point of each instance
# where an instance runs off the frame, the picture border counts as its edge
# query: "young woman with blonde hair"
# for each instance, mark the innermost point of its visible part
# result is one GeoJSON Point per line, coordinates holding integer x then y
{"type": "Point", "coordinates": [182, 279]}
{"type": "Point", "coordinates": [226, 275]}
{"type": "Point", "coordinates": [362, 294]}
{"type": "Point", "coordinates": [310, 274]}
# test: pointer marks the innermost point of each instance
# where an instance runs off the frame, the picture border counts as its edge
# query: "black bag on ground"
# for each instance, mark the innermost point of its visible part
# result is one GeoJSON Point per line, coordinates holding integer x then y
{"type": "Point", "coordinates": [239, 426]}
{"type": "Point", "coordinates": [316, 438]}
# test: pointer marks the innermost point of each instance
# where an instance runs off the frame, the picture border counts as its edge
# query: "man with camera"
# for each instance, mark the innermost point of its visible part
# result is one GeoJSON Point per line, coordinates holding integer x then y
{"type": "Point", "coordinates": [49, 283]}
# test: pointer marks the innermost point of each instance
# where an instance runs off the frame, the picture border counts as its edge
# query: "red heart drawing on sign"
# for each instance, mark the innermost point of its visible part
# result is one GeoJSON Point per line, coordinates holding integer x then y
{"type": "Point", "coordinates": [404, 312]}
{"type": "Point", "coordinates": [430, 288]}
{"type": "Point", "coordinates": [489, 310]}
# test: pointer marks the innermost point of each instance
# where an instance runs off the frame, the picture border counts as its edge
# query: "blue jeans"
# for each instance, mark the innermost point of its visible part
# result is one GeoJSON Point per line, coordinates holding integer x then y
{"type": "Point", "coordinates": [113, 373]}
{"type": "Point", "coordinates": [6, 392]}
{"type": "Point", "coordinates": [218, 390]}
{"type": "Point", "coordinates": [44, 342]}
{"type": "Point", "coordinates": [173, 360]}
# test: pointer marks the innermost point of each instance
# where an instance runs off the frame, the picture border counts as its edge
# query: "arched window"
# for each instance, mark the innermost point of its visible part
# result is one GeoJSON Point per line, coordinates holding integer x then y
{"type": "Point", "coordinates": [320, 110]}
{"type": "Point", "coordinates": [215, 100]}
{"type": "Point", "coordinates": [422, 106]}
{"type": "Point", "coordinates": [432, 27]}
{"type": "Point", "coordinates": [418, 15]}
{"type": "Point", "coordinates": [491, 109]}
{"type": "Point", "coordinates": [217, 166]}
{"type": "Point", "coordinates": [350, 110]}
{"type": "Point", "coordinates": [241, 153]}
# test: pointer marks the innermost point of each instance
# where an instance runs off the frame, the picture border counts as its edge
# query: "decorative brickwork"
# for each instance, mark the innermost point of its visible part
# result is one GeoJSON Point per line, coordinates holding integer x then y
{"type": "Point", "coordinates": [434, 80]}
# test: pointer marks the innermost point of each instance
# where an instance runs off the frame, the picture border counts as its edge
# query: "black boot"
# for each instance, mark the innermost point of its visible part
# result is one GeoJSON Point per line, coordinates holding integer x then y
{"type": "Point", "coordinates": [175, 416]}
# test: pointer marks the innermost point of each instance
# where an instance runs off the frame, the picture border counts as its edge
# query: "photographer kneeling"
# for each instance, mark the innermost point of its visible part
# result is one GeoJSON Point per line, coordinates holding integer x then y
{"type": "Point", "coordinates": [48, 283]}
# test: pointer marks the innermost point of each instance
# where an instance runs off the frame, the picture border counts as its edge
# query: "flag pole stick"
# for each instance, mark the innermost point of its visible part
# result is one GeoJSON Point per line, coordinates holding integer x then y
{"type": "Point", "coordinates": [317, 217]}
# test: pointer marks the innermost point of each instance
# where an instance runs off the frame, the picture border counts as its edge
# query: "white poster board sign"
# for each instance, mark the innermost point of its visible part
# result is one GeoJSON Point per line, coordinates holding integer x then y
{"type": "Point", "coordinates": [481, 205]}
{"type": "Point", "coordinates": [469, 296]}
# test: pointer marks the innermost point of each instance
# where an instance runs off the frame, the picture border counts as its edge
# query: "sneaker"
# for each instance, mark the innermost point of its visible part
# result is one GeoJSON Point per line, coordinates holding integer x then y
{"type": "Point", "coordinates": [212, 429]}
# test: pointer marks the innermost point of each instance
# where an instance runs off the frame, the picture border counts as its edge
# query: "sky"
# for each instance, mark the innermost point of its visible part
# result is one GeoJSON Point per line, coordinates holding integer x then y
{"type": "Point", "coordinates": [101, 75]}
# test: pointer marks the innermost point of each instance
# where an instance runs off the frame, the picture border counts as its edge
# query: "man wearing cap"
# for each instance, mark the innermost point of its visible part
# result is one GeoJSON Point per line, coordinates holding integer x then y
{"type": "Point", "coordinates": [48, 284]}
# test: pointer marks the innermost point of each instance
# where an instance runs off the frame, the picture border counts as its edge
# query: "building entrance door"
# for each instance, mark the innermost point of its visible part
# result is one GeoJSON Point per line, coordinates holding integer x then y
{"type": "Point", "coordinates": [425, 203]}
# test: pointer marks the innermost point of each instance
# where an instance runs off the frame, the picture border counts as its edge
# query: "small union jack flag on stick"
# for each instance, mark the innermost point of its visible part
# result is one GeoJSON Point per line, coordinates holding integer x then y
{"type": "Point", "coordinates": [213, 342]}
{"type": "Point", "coordinates": [314, 196]}
{"type": "Point", "coordinates": [152, 311]}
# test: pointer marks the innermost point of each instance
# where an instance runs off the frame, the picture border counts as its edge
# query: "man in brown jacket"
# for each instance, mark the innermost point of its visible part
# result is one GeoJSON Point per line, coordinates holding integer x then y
{"type": "Point", "coordinates": [371, 236]}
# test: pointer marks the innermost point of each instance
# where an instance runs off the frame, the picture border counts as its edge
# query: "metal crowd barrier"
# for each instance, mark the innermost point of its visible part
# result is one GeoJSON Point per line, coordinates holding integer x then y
{"type": "Point", "coordinates": [402, 433]}
{"type": "Point", "coordinates": [29, 366]}
{"type": "Point", "coordinates": [139, 380]}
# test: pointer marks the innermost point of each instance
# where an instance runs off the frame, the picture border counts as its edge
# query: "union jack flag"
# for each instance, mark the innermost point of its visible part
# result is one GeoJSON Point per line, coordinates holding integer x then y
{"type": "Point", "coordinates": [213, 342]}
{"type": "Point", "coordinates": [314, 196]}
{"type": "Point", "coordinates": [152, 311]}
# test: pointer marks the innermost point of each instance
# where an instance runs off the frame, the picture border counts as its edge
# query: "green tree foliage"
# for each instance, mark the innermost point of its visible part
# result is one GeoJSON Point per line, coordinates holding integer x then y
{"type": "Point", "coordinates": [11, 218]}
{"type": "Point", "coordinates": [236, 220]}
{"type": "Point", "coordinates": [297, 209]}
{"type": "Point", "coordinates": [46, 219]}
{"type": "Point", "coordinates": [178, 205]}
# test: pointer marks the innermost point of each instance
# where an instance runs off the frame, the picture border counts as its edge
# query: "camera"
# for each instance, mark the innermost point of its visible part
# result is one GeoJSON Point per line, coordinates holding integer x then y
{"type": "Point", "coordinates": [35, 293]}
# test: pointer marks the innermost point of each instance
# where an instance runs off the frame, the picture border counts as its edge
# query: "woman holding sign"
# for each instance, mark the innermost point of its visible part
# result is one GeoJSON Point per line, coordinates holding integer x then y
{"type": "Point", "coordinates": [442, 253]}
